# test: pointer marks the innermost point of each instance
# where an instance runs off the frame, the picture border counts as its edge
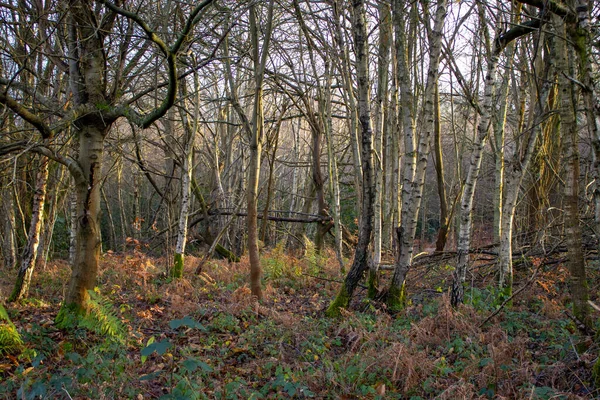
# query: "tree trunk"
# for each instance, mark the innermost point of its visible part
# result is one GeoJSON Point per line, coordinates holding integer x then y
{"type": "Point", "coordinates": [21, 288]}
{"type": "Point", "coordinates": [442, 237]}
{"type": "Point", "coordinates": [9, 243]}
{"type": "Point", "coordinates": [87, 237]}
{"type": "Point", "coordinates": [412, 191]}
{"type": "Point", "coordinates": [517, 166]}
{"type": "Point", "coordinates": [569, 133]}
{"type": "Point", "coordinates": [256, 137]}
{"type": "Point", "coordinates": [361, 255]}
{"type": "Point", "coordinates": [186, 182]}
{"type": "Point", "coordinates": [349, 99]}
{"type": "Point", "coordinates": [332, 169]}
{"type": "Point", "coordinates": [468, 194]}
{"type": "Point", "coordinates": [385, 39]}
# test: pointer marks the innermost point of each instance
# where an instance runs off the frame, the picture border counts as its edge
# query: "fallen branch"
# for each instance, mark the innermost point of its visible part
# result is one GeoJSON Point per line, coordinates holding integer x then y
{"type": "Point", "coordinates": [515, 294]}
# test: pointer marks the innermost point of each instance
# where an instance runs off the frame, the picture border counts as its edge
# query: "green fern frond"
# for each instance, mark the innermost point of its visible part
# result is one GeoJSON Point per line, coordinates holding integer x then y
{"type": "Point", "coordinates": [102, 318]}
{"type": "Point", "coordinates": [10, 339]}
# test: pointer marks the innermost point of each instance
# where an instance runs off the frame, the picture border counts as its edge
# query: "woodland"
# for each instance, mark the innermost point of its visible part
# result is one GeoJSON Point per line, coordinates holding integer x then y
{"type": "Point", "coordinates": [229, 199]}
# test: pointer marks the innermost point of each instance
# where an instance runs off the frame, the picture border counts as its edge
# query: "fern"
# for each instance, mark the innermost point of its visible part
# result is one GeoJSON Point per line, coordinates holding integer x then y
{"type": "Point", "coordinates": [102, 318]}
{"type": "Point", "coordinates": [10, 340]}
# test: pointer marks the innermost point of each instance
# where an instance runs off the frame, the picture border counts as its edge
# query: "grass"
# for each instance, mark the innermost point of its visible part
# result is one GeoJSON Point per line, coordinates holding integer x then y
{"type": "Point", "coordinates": [203, 337]}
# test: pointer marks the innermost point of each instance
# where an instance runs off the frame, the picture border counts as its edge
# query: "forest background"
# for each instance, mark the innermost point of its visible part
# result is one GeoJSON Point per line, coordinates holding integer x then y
{"type": "Point", "coordinates": [203, 164]}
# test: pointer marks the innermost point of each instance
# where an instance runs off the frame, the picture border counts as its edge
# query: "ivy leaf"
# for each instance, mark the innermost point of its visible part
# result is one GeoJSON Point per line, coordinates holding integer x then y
{"type": "Point", "coordinates": [160, 348]}
{"type": "Point", "coordinates": [192, 364]}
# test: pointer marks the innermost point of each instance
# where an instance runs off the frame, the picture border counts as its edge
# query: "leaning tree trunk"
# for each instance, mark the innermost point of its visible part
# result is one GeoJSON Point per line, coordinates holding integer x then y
{"type": "Point", "coordinates": [517, 166]}
{"type": "Point", "coordinates": [468, 194]}
{"type": "Point", "coordinates": [349, 99]}
{"type": "Point", "coordinates": [21, 288]}
{"type": "Point", "coordinates": [361, 255]}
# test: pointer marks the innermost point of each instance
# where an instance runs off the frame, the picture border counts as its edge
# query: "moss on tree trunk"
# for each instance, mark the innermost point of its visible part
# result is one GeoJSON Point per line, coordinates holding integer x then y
{"type": "Point", "coordinates": [177, 270]}
{"type": "Point", "coordinates": [342, 300]}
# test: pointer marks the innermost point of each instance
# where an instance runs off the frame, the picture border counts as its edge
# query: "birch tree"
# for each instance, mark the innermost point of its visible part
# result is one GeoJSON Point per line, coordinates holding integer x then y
{"type": "Point", "coordinates": [191, 129]}
{"type": "Point", "coordinates": [30, 253]}
{"type": "Point", "coordinates": [485, 110]}
{"type": "Point", "coordinates": [385, 39]}
{"type": "Point", "coordinates": [416, 163]}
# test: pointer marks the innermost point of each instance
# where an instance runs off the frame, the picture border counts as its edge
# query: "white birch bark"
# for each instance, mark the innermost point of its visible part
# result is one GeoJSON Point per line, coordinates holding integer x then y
{"type": "Point", "coordinates": [30, 252]}
{"type": "Point", "coordinates": [385, 38]}
{"type": "Point", "coordinates": [332, 169]}
{"type": "Point", "coordinates": [349, 99]}
{"type": "Point", "coordinates": [412, 190]}
{"type": "Point", "coordinates": [186, 182]}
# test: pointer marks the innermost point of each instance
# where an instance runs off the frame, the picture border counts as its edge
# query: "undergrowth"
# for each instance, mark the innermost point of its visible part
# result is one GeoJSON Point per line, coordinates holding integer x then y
{"type": "Point", "coordinates": [202, 337]}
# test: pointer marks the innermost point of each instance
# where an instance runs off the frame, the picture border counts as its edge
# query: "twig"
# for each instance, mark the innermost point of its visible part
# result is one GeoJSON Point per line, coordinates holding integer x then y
{"type": "Point", "coordinates": [594, 305]}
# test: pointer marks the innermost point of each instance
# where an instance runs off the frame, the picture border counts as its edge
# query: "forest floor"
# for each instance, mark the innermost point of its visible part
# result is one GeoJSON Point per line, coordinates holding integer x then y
{"type": "Point", "coordinates": [204, 337]}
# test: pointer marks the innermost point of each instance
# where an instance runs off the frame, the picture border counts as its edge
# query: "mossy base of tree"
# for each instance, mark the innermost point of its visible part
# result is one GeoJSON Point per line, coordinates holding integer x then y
{"type": "Point", "coordinates": [177, 270]}
{"type": "Point", "coordinates": [396, 300]}
{"type": "Point", "coordinates": [69, 315]}
{"type": "Point", "coordinates": [372, 285]}
{"type": "Point", "coordinates": [17, 292]}
{"type": "Point", "coordinates": [342, 300]}
{"type": "Point", "coordinates": [99, 318]}
{"type": "Point", "coordinates": [10, 339]}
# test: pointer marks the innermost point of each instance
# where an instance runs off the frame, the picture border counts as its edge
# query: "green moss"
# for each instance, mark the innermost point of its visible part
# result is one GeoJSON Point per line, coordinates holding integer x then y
{"type": "Point", "coordinates": [342, 300]}
{"type": "Point", "coordinates": [177, 270]}
{"type": "Point", "coordinates": [373, 284]}
{"type": "Point", "coordinates": [68, 316]}
{"type": "Point", "coordinates": [98, 317]}
{"type": "Point", "coordinates": [396, 298]}
{"type": "Point", "coordinates": [596, 373]}
{"type": "Point", "coordinates": [10, 340]}
{"type": "Point", "coordinates": [18, 291]}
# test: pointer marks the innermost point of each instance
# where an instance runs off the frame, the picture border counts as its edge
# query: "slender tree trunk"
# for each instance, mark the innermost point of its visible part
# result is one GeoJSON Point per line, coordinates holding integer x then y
{"type": "Point", "coordinates": [269, 200]}
{"type": "Point", "coordinates": [332, 169]}
{"type": "Point", "coordinates": [260, 58]}
{"type": "Point", "coordinates": [569, 133]}
{"type": "Point", "coordinates": [412, 192]}
{"type": "Point", "coordinates": [468, 194]}
{"type": "Point", "coordinates": [290, 242]}
{"type": "Point", "coordinates": [186, 183]}
{"type": "Point", "coordinates": [517, 166]}
{"type": "Point", "coordinates": [361, 255]}
{"type": "Point", "coordinates": [385, 39]}
{"type": "Point", "coordinates": [350, 100]}
{"type": "Point", "coordinates": [442, 237]}
{"type": "Point", "coordinates": [21, 288]}
{"type": "Point", "coordinates": [582, 38]}
{"type": "Point", "coordinates": [9, 243]}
